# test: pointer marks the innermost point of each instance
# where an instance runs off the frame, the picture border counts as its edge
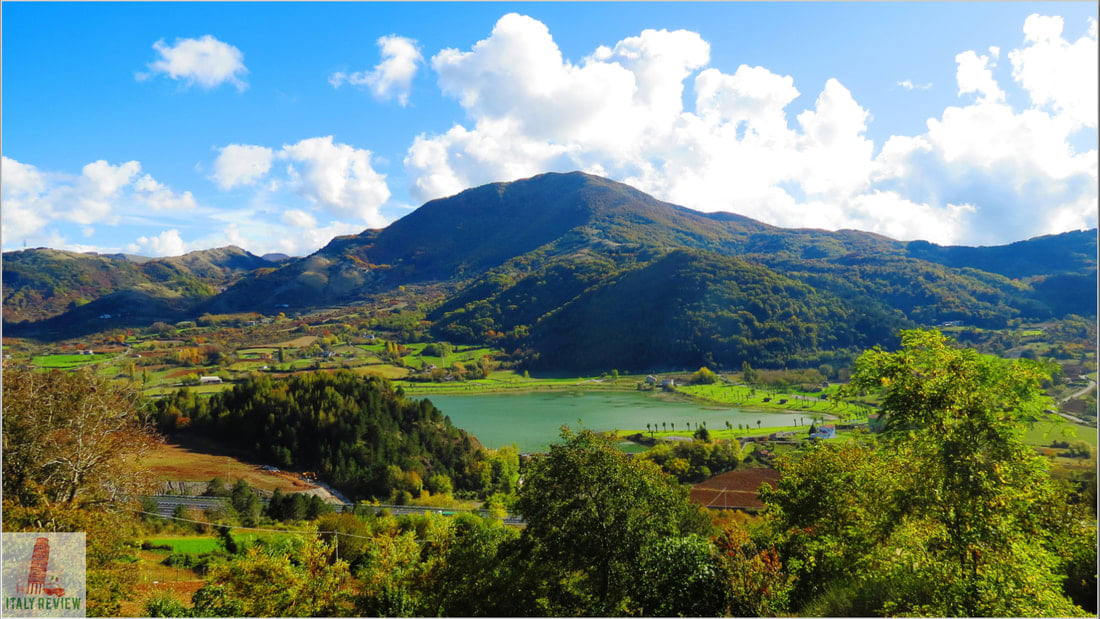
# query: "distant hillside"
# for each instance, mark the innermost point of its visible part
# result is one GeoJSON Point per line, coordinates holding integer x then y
{"type": "Point", "coordinates": [528, 222]}
{"type": "Point", "coordinates": [43, 283]}
{"type": "Point", "coordinates": [1069, 252]}
{"type": "Point", "coordinates": [534, 260]}
{"type": "Point", "coordinates": [686, 309]}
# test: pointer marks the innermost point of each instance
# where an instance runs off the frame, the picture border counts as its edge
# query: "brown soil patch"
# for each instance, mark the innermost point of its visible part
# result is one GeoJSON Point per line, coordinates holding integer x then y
{"type": "Point", "coordinates": [734, 488]}
{"type": "Point", "coordinates": [195, 460]}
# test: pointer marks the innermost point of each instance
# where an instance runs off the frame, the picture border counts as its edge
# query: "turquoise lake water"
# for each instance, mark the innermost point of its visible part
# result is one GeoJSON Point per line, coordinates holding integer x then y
{"type": "Point", "coordinates": [531, 421]}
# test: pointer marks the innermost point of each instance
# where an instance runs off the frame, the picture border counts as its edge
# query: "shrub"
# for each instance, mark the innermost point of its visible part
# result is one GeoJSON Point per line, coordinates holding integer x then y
{"type": "Point", "coordinates": [704, 376]}
{"type": "Point", "coordinates": [164, 605]}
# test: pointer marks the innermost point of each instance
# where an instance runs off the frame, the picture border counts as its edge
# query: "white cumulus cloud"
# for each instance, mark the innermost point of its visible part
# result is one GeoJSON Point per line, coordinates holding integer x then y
{"type": "Point", "coordinates": [978, 174]}
{"type": "Point", "coordinates": [1057, 74]}
{"type": "Point", "coordinates": [241, 164]}
{"type": "Point", "coordinates": [391, 78]}
{"type": "Point", "coordinates": [336, 178]}
{"type": "Point", "coordinates": [975, 74]}
{"type": "Point", "coordinates": [167, 243]}
{"type": "Point", "coordinates": [911, 85]}
{"type": "Point", "coordinates": [205, 61]}
{"type": "Point", "coordinates": [299, 219]}
{"type": "Point", "coordinates": [100, 194]}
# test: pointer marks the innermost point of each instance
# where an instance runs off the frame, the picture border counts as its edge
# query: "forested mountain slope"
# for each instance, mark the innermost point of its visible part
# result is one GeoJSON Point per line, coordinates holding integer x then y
{"type": "Point", "coordinates": [42, 283]}
{"type": "Point", "coordinates": [533, 262]}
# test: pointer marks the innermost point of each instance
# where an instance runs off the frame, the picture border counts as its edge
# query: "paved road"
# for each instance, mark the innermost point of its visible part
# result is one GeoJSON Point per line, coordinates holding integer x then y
{"type": "Point", "coordinates": [1082, 392]}
{"type": "Point", "coordinates": [167, 503]}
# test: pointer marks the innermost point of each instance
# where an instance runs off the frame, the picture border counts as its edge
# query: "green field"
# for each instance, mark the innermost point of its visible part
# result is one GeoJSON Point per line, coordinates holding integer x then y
{"type": "Point", "coordinates": [509, 381]}
{"type": "Point", "coordinates": [468, 355]}
{"type": "Point", "coordinates": [749, 397]}
{"type": "Point", "coordinates": [208, 543]}
{"type": "Point", "coordinates": [188, 545]}
{"type": "Point", "coordinates": [724, 434]}
{"type": "Point", "coordinates": [246, 353]}
{"type": "Point", "coordinates": [67, 362]}
{"type": "Point", "coordinates": [1045, 432]}
{"type": "Point", "coordinates": [199, 389]}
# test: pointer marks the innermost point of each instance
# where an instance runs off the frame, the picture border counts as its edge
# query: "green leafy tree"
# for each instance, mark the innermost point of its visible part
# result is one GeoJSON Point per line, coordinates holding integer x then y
{"type": "Point", "coordinates": [747, 373]}
{"type": "Point", "coordinates": [353, 544]}
{"type": "Point", "coordinates": [246, 502]}
{"type": "Point", "coordinates": [305, 580]}
{"type": "Point", "coordinates": [679, 577]}
{"type": "Point", "coordinates": [955, 516]}
{"type": "Point", "coordinates": [590, 509]}
{"type": "Point", "coordinates": [481, 574]}
{"type": "Point", "coordinates": [439, 483]}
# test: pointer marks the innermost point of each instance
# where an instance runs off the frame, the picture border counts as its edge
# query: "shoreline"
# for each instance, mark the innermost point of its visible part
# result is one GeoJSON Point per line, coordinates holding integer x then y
{"type": "Point", "coordinates": [587, 387]}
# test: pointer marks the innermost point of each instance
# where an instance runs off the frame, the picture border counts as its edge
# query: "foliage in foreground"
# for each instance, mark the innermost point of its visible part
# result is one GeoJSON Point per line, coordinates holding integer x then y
{"type": "Point", "coordinates": [70, 445]}
{"type": "Point", "coordinates": [948, 513]}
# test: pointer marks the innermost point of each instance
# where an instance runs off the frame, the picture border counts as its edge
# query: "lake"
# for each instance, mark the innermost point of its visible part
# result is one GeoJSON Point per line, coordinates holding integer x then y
{"type": "Point", "coordinates": [531, 420]}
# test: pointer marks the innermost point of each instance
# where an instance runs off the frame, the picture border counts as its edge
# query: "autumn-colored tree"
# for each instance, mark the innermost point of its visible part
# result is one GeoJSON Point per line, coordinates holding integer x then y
{"type": "Point", "coordinates": [72, 437]}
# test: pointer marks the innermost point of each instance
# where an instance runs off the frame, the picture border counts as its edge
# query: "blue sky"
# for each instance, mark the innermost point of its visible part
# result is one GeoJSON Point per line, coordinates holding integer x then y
{"type": "Point", "coordinates": [816, 129]}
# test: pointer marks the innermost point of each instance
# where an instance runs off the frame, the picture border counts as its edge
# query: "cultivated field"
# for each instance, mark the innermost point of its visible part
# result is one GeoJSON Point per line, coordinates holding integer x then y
{"type": "Point", "coordinates": [67, 362]}
{"type": "Point", "coordinates": [784, 399]}
{"type": "Point", "coordinates": [736, 488]}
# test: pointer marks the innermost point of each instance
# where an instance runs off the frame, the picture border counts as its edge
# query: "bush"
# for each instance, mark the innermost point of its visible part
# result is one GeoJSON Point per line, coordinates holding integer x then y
{"type": "Point", "coordinates": [199, 563]}
{"type": "Point", "coordinates": [164, 605]}
{"type": "Point", "coordinates": [1078, 449]}
{"type": "Point", "coordinates": [704, 376]}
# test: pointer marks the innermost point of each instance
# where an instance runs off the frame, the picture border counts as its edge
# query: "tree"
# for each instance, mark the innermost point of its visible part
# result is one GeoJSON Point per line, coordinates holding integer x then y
{"type": "Point", "coordinates": [72, 437]}
{"type": "Point", "coordinates": [216, 487]}
{"type": "Point", "coordinates": [590, 509]}
{"type": "Point", "coordinates": [439, 483]}
{"type": "Point", "coordinates": [481, 574]}
{"type": "Point", "coordinates": [747, 373]}
{"type": "Point", "coordinates": [350, 547]}
{"type": "Point", "coordinates": [303, 580]}
{"type": "Point", "coordinates": [704, 376]}
{"type": "Point", "coordinates": [679, 576]}
{"type": "Point", "coordinates": [245, 501]}
{"type": "Point", "coordinates": [958, 514]}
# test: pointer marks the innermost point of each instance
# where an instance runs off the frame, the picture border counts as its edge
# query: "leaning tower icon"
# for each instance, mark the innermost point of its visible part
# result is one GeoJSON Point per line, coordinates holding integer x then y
{"type": "Point", "coordinates": [40, 560]}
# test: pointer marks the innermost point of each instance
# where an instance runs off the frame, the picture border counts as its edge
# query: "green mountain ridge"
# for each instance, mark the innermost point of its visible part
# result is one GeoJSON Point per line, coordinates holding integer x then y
{"type": "Point", "coordinates": [691, 308]}
{"type": "Point", "coordinates": [534, 263]}
{"type": "Point", "coordinates": [42, 283]}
